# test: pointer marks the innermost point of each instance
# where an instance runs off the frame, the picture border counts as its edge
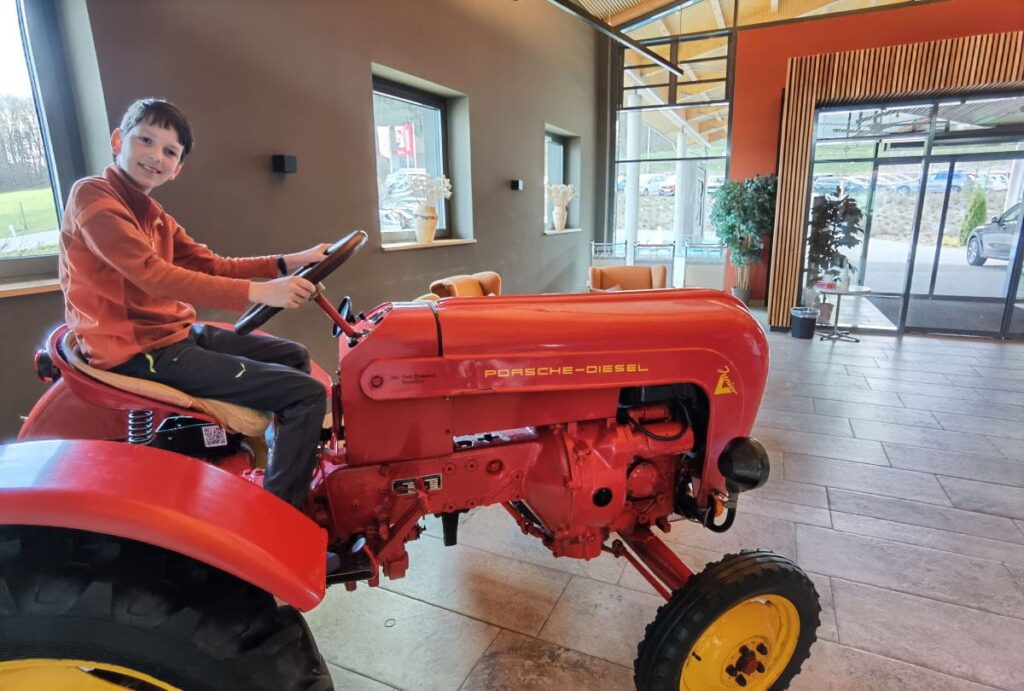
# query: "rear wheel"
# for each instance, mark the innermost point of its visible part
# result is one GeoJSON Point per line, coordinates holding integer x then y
{"type": "Point", "coordinates": [80, 610]}
{"type": "Point", "coordinates": [746, 622]}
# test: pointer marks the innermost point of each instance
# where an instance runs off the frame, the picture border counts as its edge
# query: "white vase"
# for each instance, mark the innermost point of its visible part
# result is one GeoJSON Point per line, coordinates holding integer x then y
{"type": "Point", "coordinates": [426, 223]}
{"type": "Point", "coordinates": [559, 216]}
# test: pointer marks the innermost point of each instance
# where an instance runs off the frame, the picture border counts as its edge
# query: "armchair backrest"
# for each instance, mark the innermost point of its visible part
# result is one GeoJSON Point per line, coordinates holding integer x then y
{"type": "Point", "coordinates": [474, 285]}
{"type": "Point", "coordinates": [628, 277]}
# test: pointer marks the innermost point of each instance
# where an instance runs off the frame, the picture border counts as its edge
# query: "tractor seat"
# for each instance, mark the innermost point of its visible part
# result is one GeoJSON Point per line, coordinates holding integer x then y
{"type": "Point", "coordinates": [232, 417]}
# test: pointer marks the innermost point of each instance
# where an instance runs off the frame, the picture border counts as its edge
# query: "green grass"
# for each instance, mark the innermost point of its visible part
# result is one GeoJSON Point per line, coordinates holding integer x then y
{"type": "Point", "coordinates": [29, 211]}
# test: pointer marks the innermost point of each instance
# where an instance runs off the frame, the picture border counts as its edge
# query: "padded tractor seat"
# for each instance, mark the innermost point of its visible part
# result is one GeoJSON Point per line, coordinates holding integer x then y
{"type": "Point", "coordinates": [232, 417]}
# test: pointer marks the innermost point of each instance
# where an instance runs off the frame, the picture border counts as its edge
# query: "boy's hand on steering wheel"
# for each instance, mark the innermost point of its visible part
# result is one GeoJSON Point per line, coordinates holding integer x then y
{"type": "Point", "coordinates": [299, 259]}
{"type": "Point", "coordinates": [287, 291]}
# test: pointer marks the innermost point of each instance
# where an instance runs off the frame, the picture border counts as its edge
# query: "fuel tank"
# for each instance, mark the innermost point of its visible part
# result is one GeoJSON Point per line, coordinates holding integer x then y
{"type": "Point", "coordinates": [427, 373]}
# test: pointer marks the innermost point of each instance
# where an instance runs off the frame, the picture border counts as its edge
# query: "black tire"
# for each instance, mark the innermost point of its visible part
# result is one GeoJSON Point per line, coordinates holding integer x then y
{"type": "Point", "coordinates": [737, 579]}
{"type": "Point", "coordinates": [974, 255]}
{"type": "Point", "coordinates": [73, 595]}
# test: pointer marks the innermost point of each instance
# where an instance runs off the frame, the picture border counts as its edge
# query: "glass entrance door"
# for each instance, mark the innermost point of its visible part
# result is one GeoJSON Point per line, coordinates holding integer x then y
{"type": "Point", "coordinates": [962, 267]}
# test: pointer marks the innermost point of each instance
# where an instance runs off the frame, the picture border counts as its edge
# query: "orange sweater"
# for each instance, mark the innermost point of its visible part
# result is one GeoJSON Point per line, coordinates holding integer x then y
{"type": "Point", "coordinates": [129, 272]}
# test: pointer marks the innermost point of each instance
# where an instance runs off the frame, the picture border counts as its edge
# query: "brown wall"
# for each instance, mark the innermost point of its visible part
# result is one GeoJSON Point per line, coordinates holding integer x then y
{"type": "Point", "coordinates": [263, 76]}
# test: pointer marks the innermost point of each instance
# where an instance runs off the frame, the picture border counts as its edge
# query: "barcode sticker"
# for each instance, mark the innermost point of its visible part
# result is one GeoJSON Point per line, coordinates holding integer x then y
{"type": "Point", "coordinates": [214, 436]}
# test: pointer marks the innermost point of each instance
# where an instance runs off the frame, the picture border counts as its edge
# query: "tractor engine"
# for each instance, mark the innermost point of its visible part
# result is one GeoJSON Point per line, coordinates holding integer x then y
{"type": "Point", "coordinates": [595, 478]}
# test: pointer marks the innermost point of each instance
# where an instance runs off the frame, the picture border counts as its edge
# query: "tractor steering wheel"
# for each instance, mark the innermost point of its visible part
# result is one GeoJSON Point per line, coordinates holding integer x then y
{"type": "Point", "coordinates": [338, 253]}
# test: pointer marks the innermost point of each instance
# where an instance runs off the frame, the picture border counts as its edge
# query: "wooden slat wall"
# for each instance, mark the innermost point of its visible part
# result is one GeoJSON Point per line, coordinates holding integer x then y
{"type": "Point", "coordinates": [894, 73]}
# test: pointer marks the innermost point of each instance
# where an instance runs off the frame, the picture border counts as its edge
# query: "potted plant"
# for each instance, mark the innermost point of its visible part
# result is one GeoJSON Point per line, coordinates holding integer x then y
{"type": "Point", "coordinates": [428, 191]}
{"type": "Point", "coordinates": [834, 226]}
{"type": "Point", "coordinates": [561, 196]}
{"type": "Point", "coordinates": [744, 217]}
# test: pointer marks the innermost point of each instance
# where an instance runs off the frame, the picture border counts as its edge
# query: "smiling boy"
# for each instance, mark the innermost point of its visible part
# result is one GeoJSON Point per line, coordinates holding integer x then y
{"type": "Point", "coordinates": [129, 274]}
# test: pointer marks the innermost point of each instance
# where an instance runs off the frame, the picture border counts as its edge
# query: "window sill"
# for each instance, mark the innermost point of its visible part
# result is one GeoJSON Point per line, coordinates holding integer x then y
{"type": "Point", "coordinates": [10, 289]}
{"type": "Point", "coordinates": [399, 246]}
{"type": "Point", "coordinates": [563, 232]}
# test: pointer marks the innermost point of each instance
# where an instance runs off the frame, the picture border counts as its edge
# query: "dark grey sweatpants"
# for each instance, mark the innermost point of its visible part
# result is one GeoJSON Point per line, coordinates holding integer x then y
{"type": "Point", "coordinates": [261, 372]}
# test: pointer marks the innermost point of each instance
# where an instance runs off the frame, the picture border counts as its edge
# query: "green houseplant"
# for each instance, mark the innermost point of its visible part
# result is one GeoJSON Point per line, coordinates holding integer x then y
{"type": "Point", "coordinates": [835, 226]}
{"type": "Point", "coordinates": [744, 217]}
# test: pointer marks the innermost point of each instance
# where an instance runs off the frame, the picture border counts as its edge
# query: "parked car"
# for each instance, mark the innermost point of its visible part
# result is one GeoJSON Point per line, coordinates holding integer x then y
{"type": "Point", "coordinates": [827, 184]}
{"type": "Point", "coordinates": [936, 182]}
{"type": "Point", "coordinates": [994, 182]}
{"type": "Point", "coordinates": [994, 240]}
{"type": "Point", "coordinates": [650, 183]}
{"type": "Point", "coordinates": [668, 188]}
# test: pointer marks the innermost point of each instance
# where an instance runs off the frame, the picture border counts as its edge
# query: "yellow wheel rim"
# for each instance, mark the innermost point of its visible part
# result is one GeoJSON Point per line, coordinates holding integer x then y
{"type": "Point", "coordinates": [74, 675]}
{"type": "Point", "coordinates": [748, 647]}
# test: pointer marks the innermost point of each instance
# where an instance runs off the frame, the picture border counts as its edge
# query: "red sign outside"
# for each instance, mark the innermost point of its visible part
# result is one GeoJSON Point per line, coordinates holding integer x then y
{"type": "Point", "coordinates": [405, 140]}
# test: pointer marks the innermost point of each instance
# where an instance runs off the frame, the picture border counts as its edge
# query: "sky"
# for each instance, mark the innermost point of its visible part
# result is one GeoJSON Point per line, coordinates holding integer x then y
{"type": "Point", "coordinates": [13, 73]}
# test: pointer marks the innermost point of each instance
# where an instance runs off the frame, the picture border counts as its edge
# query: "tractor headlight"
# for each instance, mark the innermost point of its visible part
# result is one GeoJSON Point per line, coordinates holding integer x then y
{"type": "Point", "coordinates": [744, 464]}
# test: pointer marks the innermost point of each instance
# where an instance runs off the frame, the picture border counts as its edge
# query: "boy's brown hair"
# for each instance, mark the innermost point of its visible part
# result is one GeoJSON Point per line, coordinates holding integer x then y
{"type": "Point", "coordinates": [161, 113]}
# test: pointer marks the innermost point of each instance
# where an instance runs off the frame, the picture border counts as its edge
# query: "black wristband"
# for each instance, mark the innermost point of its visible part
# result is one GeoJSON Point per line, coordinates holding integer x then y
{"type": "Point", "coordinates": [281, 266]}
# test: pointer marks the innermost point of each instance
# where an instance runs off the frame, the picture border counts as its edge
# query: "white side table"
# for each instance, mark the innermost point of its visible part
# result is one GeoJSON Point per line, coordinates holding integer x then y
{"type": "Point", "coordinates": [837, 334]}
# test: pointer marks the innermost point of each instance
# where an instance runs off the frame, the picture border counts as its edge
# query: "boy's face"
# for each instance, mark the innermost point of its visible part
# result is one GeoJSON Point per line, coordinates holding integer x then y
{"type": "Point", "coordinates": [148, 154]}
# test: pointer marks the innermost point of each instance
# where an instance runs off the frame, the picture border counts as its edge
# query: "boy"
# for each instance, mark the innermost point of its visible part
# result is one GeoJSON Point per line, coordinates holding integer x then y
{"type": "Point", "coordinates": [129, 273]}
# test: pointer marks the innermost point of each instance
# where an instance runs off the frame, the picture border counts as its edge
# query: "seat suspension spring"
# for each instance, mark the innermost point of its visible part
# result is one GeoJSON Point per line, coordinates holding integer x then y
{"type": "Point", "coordinates": [140, 426]}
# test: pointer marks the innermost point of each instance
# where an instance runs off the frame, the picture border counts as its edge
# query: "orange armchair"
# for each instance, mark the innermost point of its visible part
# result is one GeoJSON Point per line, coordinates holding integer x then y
{"type": "Point", "coordinates": [605, 278]}
{"type": "Point", "coordinates": [476, 285]}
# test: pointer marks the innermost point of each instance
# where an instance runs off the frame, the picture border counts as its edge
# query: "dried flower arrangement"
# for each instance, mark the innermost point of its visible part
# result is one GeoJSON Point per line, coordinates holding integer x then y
{"type": "Point", "coordinates": [561, 195]}
{"type": "Point", "coordinates": [429, 189]}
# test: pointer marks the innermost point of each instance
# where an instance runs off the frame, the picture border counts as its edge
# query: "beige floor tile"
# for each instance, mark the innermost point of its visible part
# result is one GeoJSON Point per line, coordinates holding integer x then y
{"type": "Point", "coordinates": [866, 478]}
{"type": "Point", "coordinates": [493, 530]}
{"type": "Point", "coordinates": [985, 497]}
{"type": "Point", "coordinates": [397, 640]}
{"type": "Point", "coordinates": [834, 667]}
{"type": "Point", "coordinates": [778, 489]}
{"type": "Point", "coordinates": [805, 422]}
{"type": "Point", "coordinates": [976, 583]}
{"type": "Point", "coordinates": [948, 638]}
{"type": "Point", "coordinates": [796, 404]}
{"type": "Point", "coordinates": [602, 620]}
{"type": "Point", "coordinates": [789, 441]}
{"type": "Point", "coordinates": [957, 543]}
{"type": "Point", "coordinates": [897, 374]}
{"type": "Point", "coordinates": [882, 413]}
{"type": "Point", "coordinates": [1011, 448]}
{"type": "Point", "coordinates": [823, 585]}
{"type": "Point", "coordinates": [751, 502]}
{"type": "Point", "coordinates": [344, 680]}
{"type": "Point", "coordinates": [506, 592]}
{"type": "Point", "coordinates": [1018, 574]}
{"type": "Point", "coordinates": [926, 515]}
{"type": "Point", "coordinates": [969, 466]}
{"type": "Point", "coordinates": [835, 393]}
{"type": "Point", "coordinates": [995, 396]}
{"type": "Point", "coordinates": [961, 422]}
{"type": "Point", "coordinates": [836, 377]}
{"type": "Point", "coordinates": [518, 663]}
{"type": "Point", "coordinates": [919, 436]}
{"type": "Point", "coordinates": [940, 390]}
{"type": "Point", "coordinates": [987, 383]}
{"type": "Point", "coordinates": [749, 531]}
{"type": "Point", "coordinates": [1004, 411]}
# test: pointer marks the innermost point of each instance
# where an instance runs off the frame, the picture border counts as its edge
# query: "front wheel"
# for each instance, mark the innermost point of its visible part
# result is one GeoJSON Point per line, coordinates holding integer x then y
{"type": "Point", "coordinates": [746, 622]}
{"type": "Point", "coordinates": [974, 255]}
{"type": "Point", "coordinates": [81, 610]}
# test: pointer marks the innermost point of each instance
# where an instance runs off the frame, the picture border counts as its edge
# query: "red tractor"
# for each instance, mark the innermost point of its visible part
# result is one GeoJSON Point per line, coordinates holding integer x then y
{"type": "Point", "coordinates": [137, 549]}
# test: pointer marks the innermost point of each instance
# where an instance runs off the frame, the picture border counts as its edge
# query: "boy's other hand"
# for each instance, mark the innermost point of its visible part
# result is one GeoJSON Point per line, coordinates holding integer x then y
{"type": "Point", "coordinates": [301, 259]}
{"type": "Point", "coordinates": [287, 291]}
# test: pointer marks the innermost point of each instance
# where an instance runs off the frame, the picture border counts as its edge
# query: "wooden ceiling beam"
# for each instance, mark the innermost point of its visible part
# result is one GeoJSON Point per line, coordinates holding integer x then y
{"type": "Point", "coordinates": [636, 11]}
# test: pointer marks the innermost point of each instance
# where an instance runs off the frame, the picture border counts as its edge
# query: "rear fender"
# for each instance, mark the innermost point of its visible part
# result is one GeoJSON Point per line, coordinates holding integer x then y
{"type": "Point", "coordinates": [168, 500]}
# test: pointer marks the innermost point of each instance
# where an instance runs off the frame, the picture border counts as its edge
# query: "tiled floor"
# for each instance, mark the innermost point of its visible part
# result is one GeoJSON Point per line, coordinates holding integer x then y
{"type": "Point", "coordinates": [897, 483]}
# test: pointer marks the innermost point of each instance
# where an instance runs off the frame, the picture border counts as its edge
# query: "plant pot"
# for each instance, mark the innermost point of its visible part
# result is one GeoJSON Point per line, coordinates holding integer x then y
{"type": "Point", "coordinates": [742, 294]}
{"type": "Point", "coordinates": [426, 223]}
{"type": "Point", "coordinates": [559, 216]}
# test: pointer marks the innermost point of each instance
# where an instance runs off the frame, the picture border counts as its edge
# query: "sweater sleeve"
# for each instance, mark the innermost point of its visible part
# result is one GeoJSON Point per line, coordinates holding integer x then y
{"type": "Point", "coordinates": [198, 257]}
{"type": "Point", "coordinates": [108, 230]}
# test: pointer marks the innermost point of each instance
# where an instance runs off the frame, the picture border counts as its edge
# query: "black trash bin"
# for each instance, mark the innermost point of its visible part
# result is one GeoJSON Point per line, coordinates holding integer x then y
{"type": "Point", "coordinates": [802, 321]}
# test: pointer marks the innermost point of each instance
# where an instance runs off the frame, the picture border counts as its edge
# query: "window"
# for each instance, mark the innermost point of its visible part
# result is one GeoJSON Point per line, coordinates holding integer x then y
{"type": "Point", "coordinates": [555, 169]}
{"type": "Point", "coordinates": [411, 133]}
{"type": "Point", "coordinates": [28, 208]}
